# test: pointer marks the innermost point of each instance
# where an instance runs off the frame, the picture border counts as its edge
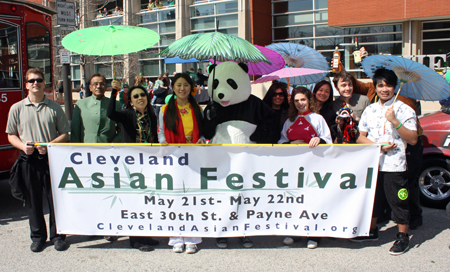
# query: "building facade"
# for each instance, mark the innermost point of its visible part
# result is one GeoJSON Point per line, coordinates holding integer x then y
{"type": "Point", "coordinates": [409, 28]}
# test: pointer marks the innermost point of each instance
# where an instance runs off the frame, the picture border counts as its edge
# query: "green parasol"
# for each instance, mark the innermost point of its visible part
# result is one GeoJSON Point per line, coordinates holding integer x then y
{"type": "Point", "coordinates": [110, 40]}
{"type": "Point", "coordinates": [221, 47]}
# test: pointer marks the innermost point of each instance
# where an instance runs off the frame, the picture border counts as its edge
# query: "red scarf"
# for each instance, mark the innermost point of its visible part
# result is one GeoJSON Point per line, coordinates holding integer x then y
{"type": "Point", "coordinates": [180, 138]}
{"type": "Point", "coordinates": [301, 129]}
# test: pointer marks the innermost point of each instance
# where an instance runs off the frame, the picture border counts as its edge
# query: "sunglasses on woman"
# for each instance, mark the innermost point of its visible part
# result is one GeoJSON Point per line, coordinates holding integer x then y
{"type": "Point", "coordinates": [278, 94]}
{"type": "Point", "coordinates": [136, 96]}
{"type": "Point", "coordinates": [32, 80]}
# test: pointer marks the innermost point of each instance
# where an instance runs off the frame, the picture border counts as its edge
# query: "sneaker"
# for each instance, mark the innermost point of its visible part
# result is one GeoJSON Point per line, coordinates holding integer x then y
{"type": "Point", "coordinates": [191, 249]}
{"type": "Point", "coordinates": [60, 245]}
{"type": "Point", "coordinates": [401, 244]}
{"type": "Point", "coordinates": [290, 240]}
{"type": "Point", "coordinates": [37, 246]}
{"type": "Point", "coordinates": [221, 242]}
{"type": "Point", "coordinates": [373, 236]}
{"type": "Point", "coordinates": [311, 244]}
{"type": "Point", "coordinates": [178, 248]}
{"type": "Point", "coordinates": [246, 242]}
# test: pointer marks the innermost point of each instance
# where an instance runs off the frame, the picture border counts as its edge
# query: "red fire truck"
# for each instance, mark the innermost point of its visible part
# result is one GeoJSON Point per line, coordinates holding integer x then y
{"type": "Point", "coordinates": [25, 42]}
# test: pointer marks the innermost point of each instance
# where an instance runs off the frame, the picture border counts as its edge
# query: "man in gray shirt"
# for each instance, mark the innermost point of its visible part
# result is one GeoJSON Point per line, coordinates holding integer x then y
{"type": "Point", "coordinates": [31, 120]}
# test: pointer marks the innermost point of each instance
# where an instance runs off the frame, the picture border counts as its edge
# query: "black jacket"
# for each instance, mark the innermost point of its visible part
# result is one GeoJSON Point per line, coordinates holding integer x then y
{"type": "Point", "coordinates": [128, 120]}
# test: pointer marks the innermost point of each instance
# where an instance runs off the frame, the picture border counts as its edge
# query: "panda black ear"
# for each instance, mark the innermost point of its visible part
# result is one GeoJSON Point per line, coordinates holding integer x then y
{"type": "Point", "coordinates": [211, 68]}
{"type": "Point", "coordinates": [244, 67]}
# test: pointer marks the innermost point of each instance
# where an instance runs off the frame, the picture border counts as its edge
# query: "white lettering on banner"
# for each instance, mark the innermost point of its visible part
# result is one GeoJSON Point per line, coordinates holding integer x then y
{"type": "Point", "coordinates": [213, 191]}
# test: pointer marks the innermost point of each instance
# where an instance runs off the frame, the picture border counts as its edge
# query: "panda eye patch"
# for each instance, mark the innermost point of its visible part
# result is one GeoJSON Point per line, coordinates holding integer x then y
{"type": "Point", "coordinates": [215, 83]}
{"type": "Point", "coordinates": [232, 83]}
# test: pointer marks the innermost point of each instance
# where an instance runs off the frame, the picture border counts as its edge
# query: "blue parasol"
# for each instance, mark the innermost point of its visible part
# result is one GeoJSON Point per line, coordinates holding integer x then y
{"type": "Point", "coordinates": [416, 80]}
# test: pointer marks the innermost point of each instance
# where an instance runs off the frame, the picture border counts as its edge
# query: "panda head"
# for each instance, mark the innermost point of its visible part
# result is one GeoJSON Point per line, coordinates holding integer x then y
{"type": "Point", "coordinates": [231, 83]}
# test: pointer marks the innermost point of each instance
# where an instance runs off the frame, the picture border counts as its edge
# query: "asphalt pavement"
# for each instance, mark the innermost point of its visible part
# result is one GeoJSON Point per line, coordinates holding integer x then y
{"type": "Point", "coordinates": [430, 250]}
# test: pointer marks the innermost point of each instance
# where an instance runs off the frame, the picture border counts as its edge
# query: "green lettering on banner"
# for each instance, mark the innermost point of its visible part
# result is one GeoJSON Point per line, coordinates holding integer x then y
{"type": "Point", "coordinates": [258, 178]}
{"type": "Point", "coordinates": [138, 183]}
{"type": "Point", "coordinates": [96, 178]}
{"type": "Point", "coordinates": [322, 182]}
{"type": "Point", "coordinates": [350, 182]}
{"type": "Point", "coordinates": [369, 178]}
{"type": "Point", "coordinates": [204, 177]}
{"type": "Point", "coordinates": [280, 174]}
{"type": "Point", "coordinates": [75, 179]}
{"type": "Point", "coordinates": [159, 179]}
{"type": "Point", "coordinates": [234, 181]}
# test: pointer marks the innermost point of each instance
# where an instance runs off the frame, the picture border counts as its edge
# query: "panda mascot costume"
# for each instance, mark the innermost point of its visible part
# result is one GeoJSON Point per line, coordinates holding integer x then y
{"type": "Point", "coordinates": [235, 115]}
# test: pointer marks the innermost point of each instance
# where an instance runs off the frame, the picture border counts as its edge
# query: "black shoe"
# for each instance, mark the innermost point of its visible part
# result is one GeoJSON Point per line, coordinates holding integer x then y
{"type": "Point", "coordinates": [246, 242]}
{"type": "Point", "coordinates": [145, 248]}
{"type": "Point", "coordinates": [415, 223]}
{"type": "Point", "coordinates": [37, 246]}
{"type": "Point", "coordinates": [60, 245]}
{"type": "Point", "coordinates": [150, 241]}
{"type": "Point", "coordinates": [401, 245]}
{"type": "Point", "coordinates": [373, 236]}
{"type": "Point", "coordinates": [221, 242]}
{"type": "Point", "coordinates": [111, 238]}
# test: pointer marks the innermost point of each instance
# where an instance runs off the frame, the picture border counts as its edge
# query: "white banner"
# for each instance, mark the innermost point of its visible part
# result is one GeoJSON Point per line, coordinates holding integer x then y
{"type": "Point", "coordinates": [213, 191]}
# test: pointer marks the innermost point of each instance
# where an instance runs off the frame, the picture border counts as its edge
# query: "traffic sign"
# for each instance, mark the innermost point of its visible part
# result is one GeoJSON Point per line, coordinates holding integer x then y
{"type": "Point", "coordinates": [64, 56]}
{"type": "Point", "coordinates": [66, 13]}
{"type": "Point", "coordinates": [65, 30]}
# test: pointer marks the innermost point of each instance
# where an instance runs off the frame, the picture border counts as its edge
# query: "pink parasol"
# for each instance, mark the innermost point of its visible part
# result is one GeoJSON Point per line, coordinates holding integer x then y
{"type": "Point", "coordinates": [263, 68]}
{"type": "Point", "coordinates": [301, 76]}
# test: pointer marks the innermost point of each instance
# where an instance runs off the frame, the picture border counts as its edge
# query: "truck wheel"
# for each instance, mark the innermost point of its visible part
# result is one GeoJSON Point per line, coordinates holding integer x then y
{"type": "Point", "coordinates": [434, 182]}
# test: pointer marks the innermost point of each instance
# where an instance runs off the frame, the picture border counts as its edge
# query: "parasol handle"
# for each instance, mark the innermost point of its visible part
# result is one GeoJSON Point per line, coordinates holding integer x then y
{"type": "Point", "coordinates": [287, 79]}
{"type": "Point", "coordinates": [401, 85]}
{"type": "Point", "coordinates": [114, 68]}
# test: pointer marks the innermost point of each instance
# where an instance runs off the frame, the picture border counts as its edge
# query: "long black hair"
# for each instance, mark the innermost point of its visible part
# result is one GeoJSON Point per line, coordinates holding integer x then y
{"type": "Point", "coordinates": [319, 85]}
{"type": "Point", "coordinates": [171, 116]}
{"type": "Point", "coordinates": [271, 92]}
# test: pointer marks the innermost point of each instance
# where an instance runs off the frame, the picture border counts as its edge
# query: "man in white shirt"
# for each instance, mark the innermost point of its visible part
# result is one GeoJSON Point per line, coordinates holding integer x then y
{"type": "Point", "coordinates": [393, 127]}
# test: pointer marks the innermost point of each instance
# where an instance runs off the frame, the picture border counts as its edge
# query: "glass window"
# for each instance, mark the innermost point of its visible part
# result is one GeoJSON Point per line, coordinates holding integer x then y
{"type": "Point", "coordinates": [294, 19]}
{"type": "Point", "coordinates": [170, 68]}
{"type": "Point", "coordinates": [167, 15]}
{"type": "Point", "coordinates": [324, 30]}
{"type": "Point", "coordinates": [374, 29]}
{"type": "Point", "coordinates": [291, 6]}
{"type": "Point", "coordinates": [38, 50]}
{"type": "Point", "coordinates": [167, 39]}
{"type": "Point", "coordinates": [150, 17]}
{"type": "Point", "coordinates": [76, 84]}
{"type": "Point", "coordinates": [436, 35]}
{"type": "Point", "coordinates": [293, 32]}
{"type": "Point", "coordinates": [75, 59]}
{"type": "Point", "coordinates": [166, 27]}
{"type": "Point", "coordinates": [320, 4]}
{"type": "Point", "coordinates": [149, 67]}
{"type": "Point", "coordinates": [229, 31]}
{"type": "Point", "coordinates": [376, 38]}
{"type": "Point", "coordinates": [321, 17]}
{"type": "Point", "coordinates": [328, 43]}
{"type": "Point", "coordinates": [202, 10]}
{"type": "Point", "coordinates": [76, 72]}
{"type": "Point", "coordinates": [148, 53]}
{"type": "Point", "coordinates": [116, 21]}
{"type": "Point", "coordinates": [153, 27]}
{"type": "Point", "coordinates": [203, 23]}
{"type": "Point", "coordinates": [436, 25]}
{"type": "Point", "coordinates": [227, 7]}
{"type": "Point", "coordinates": [441, 47]}
{"type": "Point", "coordinates": [104, 69]}
{"type": "Point", "coordinates": [10, 73]}
{"type": "Point", "coordinates": [227, 21]}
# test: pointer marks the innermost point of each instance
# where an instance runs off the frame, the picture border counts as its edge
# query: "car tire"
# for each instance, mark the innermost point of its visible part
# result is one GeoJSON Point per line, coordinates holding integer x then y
{"type": "Point", "coordinates": [434, 182]}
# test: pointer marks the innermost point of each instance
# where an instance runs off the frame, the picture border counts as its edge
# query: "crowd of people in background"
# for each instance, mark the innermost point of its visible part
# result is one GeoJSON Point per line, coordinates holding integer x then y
{"type": "Point", "coordinates": [308, 117]}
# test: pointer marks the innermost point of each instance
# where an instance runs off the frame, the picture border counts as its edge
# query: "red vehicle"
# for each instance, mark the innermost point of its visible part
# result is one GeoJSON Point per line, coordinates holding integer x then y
{"type": "Point", "coordinates": [25, 42]}
{"type": "Point", "coordinates": [434, 178]}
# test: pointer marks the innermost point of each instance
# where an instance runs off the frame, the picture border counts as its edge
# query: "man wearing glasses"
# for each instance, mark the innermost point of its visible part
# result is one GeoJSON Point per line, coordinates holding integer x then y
{"type": "Point", "coordinates": [32, 120]}
{"type": "Point", "coordinates": [90, 123]}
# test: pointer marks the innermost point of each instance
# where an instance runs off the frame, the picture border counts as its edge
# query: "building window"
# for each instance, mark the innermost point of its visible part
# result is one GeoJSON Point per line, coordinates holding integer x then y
{"type": "Point", "coordinates": [211, 16]}
{"type": "Point", "coordinates": [306, 22]}
{"type": "Point", "coordinates": [436, 40]}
